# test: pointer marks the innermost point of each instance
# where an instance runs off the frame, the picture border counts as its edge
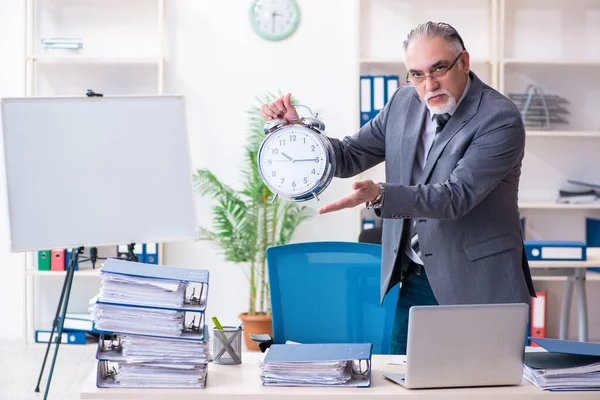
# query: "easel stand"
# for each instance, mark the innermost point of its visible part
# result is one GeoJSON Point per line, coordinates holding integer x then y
{"type": "Point", "coordinates": [63, 303]}
{"type": "Point", "coordinates": [59, 319]}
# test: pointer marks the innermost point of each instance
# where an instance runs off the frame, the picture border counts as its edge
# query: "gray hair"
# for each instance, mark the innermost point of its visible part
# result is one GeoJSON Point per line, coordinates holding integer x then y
{"type": "Point", "coordinates": [436, 29]}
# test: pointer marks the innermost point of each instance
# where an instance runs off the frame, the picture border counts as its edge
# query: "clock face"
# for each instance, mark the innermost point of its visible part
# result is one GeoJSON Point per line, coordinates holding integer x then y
{"type": "Point", "coordinates": [292, 161]}
{"type": "Point", "coordinates": [274, 19]}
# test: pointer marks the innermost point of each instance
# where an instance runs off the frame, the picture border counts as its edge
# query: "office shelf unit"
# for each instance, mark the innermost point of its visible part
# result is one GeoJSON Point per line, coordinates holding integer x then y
{"type": "Point", "coordinates": [553, 44]}
{"type": "Point", "coordinates": [123, 53]}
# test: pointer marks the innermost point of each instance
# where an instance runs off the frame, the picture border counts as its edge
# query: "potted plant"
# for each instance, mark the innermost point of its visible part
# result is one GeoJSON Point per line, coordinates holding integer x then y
{"type": "Point", "coordinates": [246, 222]}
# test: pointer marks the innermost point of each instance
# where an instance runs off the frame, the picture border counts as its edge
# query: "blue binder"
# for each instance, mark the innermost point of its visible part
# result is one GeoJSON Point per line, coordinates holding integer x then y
{"type": "Point", "coordinates": [68, 337]}
{"type": "Point", "coordinates": [555, 250]}
{"type": "Point", "coordinates": [321, 352]}
{"type": "Point", "coordinates": [150, 253]}
{"type": "Point", "coordinates": [108, 351]}
{"type": "Point", "coordinates": [592, 236]}
{"type": "Point", "coordinates": [68, 259]}
{"type": "Point", "coordinates": [122, 267]}
{"type": "Point", "coordinates": [568, 346]}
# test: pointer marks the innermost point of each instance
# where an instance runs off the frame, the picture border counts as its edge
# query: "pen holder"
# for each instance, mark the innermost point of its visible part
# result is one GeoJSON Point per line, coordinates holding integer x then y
{"type": "Point", "coordinates": [227, 345]}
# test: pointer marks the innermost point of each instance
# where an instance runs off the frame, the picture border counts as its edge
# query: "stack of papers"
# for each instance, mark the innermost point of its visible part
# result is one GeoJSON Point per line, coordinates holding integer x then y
{"type": "Point", "coordinates": [144, 375]}
{"type": "Point", "coordinates": [567, 365]}
{"type": "Point", "coordinates": [585, 377]}
{"type": "Point", "coordinates": [317, 365]}
{"type": "Point", "coordinates": [156, 317]}
{"type": "Point", "coordinates": [138, 290]}
{"type": "Point", "coordinates": [147, 349]}
{"type": "Point", "coordinates": [144, 321]}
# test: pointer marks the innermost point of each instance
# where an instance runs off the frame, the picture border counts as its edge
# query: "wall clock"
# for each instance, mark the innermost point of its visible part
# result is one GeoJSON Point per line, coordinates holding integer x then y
{"type": "Point", "coordinates": [274, 19]}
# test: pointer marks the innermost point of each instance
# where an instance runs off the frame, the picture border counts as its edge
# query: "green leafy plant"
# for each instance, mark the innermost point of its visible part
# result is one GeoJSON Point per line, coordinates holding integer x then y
{"type": "Point", "coordinates": [246, 222]}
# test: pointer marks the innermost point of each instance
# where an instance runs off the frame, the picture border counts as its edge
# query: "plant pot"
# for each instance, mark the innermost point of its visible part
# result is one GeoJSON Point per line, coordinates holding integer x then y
{"type": "Point", "coordinates": [256, 324]}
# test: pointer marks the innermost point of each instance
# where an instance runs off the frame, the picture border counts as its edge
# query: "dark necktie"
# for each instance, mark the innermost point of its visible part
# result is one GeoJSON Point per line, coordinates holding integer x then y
{"type": "Point", "coordinates": [441, 120]}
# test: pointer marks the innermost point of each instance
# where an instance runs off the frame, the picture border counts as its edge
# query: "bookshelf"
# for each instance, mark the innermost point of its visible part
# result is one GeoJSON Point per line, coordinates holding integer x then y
{"type": "Point", "coordinates": [562, 61]}
{"type": "Point", "coordinates": [123, 53]}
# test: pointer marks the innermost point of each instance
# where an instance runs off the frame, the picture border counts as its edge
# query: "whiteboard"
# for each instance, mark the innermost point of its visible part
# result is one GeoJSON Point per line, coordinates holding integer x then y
{"type": "Point", "coordinates": [96, 171]}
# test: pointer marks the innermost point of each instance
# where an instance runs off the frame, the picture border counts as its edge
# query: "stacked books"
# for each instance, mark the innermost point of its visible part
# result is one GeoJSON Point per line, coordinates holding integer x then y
{"type": "Point", "coordinates": [567, 366]}
{"type": "Point", "coordinates": [156, 316]}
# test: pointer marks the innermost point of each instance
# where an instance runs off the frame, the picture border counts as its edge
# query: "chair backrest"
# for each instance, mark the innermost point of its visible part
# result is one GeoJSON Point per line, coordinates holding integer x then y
{"type": "Point", "coordinates": [328, 292]}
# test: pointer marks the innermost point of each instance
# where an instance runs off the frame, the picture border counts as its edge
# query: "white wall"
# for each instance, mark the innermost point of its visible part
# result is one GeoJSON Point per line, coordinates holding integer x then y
{"type": "Point", "coordinates": [220, 65]}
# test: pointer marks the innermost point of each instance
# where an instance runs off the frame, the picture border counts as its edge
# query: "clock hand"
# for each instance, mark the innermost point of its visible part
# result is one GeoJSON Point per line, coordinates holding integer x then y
{"type": "Point", "coordinates": [316, 159]}
{"type": "Point", "coordinates": [286, 156]}
{"type": "Point", "coordinates": [274, 14]}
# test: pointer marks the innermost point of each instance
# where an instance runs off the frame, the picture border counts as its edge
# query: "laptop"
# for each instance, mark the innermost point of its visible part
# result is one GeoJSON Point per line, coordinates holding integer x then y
{"type": "Point", "coordinates": [464, 345]}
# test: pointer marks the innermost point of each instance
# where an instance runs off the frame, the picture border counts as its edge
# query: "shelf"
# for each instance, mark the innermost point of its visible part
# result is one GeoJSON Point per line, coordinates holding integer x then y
{"type": "Point", "coordinates": [82, 273]}
{"type": "Point", "coordinates": [589, 276]}
{"type": "Point", "coordinates": [563, 134]}
{"type": "Point", "coordinates": [583, 63]}
{"type": "Point", "coordinates": [85, 59]}
{"type": "Point", "coordinates": [553, 205]}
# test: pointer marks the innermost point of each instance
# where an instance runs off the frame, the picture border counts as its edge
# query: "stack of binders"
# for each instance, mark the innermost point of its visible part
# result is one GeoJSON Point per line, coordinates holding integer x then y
{"type": "Point", "coordinates": [156, 318]}
{"type": "Point", "coordinates": [375, 92]}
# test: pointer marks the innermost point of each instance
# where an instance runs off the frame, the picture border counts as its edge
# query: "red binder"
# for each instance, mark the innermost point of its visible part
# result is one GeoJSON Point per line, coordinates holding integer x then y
{"type": "Point", "coordinates": [538, 317]}
{"type": "Point", "coordinates": [57, 260]}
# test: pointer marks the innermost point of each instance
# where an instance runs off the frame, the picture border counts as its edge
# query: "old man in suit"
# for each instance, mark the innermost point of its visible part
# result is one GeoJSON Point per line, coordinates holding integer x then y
{"type": "Point", "coordinates": [452, 148]}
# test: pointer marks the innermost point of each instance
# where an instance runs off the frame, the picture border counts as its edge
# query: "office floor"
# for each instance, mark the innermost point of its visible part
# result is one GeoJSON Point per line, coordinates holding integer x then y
{"type": "Point", "coordinates": [20, 366]}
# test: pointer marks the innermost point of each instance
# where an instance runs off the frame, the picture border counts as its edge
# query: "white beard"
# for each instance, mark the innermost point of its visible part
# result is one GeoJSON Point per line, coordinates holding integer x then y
{"type": "Point", "coordinates": [444, 108]}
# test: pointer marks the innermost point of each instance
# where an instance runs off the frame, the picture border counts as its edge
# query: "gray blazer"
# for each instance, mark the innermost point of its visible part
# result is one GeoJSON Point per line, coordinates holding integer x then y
{"type": "Point", "coordinates": [465, 206]}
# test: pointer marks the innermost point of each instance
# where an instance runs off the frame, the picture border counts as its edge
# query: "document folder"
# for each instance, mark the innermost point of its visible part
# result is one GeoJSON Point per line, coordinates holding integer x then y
{"type": "Point", "coordinates": [339, 364]}
{"type": "Point", "coordinates": [113, 374]}
{"type": "Point", "coordinates": [568, 346]}
{"type": "Point", "coordinates": [555, 250]}
{"type": "Point", "coordinates": [147, 349]}
{"type": "Point", "coordinates": [196, 292]}
{"type": "Point", "coordinates": [149, 321]}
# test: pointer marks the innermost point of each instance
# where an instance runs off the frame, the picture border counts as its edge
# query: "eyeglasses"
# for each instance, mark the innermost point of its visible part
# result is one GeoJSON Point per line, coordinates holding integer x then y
{"type": "Point", "coordinates": [438, 72]}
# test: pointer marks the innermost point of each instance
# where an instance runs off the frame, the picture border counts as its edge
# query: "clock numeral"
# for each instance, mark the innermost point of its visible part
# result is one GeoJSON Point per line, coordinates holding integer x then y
{"type": "Point", "coordinates": [281, 142]}
{"type": "Point", "coordinates": [292, 138]}
{"type": "Point", "coordinates": [273, 174]}
{"type": "Point", "coordinates": [312, 147]}
{"type": "Point", "coordinates": [294, 184]}
{"type": "Point", "coordinates": [304, 140]}
{"type": "Point", "coordinates": [317, 160]}
{"type": "Point", "coordinates": [269, 162]}
{"type": "Point", "coordinates": [305, 180]}
{"type": "Point", "coordinates": [313, 171]}
{"type": "Point", "coordinates": [274, 151]}
{"type": "Point", "coordinates": [282, 179]}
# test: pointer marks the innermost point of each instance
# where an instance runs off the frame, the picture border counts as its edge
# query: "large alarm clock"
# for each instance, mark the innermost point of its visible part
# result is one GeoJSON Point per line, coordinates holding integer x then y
{"type": "Point", "coordinates": [296, 160]}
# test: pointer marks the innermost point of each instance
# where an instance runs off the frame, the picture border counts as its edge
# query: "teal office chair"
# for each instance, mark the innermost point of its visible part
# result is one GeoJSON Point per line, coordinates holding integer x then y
{"type": "Point", "coordinates": [328, 292]}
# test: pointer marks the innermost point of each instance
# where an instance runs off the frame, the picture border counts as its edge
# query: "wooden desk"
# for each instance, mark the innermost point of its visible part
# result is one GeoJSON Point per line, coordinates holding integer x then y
{"type": "Point", "coordinates": [575, 272]}
{"type": "Point", "coordinates": [242, 382]}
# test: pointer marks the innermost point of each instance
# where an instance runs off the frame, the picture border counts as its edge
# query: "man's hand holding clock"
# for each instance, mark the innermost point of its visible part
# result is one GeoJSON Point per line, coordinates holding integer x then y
{"type": "Point", "coordinates": [365, 191]}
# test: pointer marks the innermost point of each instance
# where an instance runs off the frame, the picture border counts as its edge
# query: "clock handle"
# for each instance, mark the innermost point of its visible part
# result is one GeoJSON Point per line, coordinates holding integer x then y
{"type": "Point", "coordinates": [308, 108]}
